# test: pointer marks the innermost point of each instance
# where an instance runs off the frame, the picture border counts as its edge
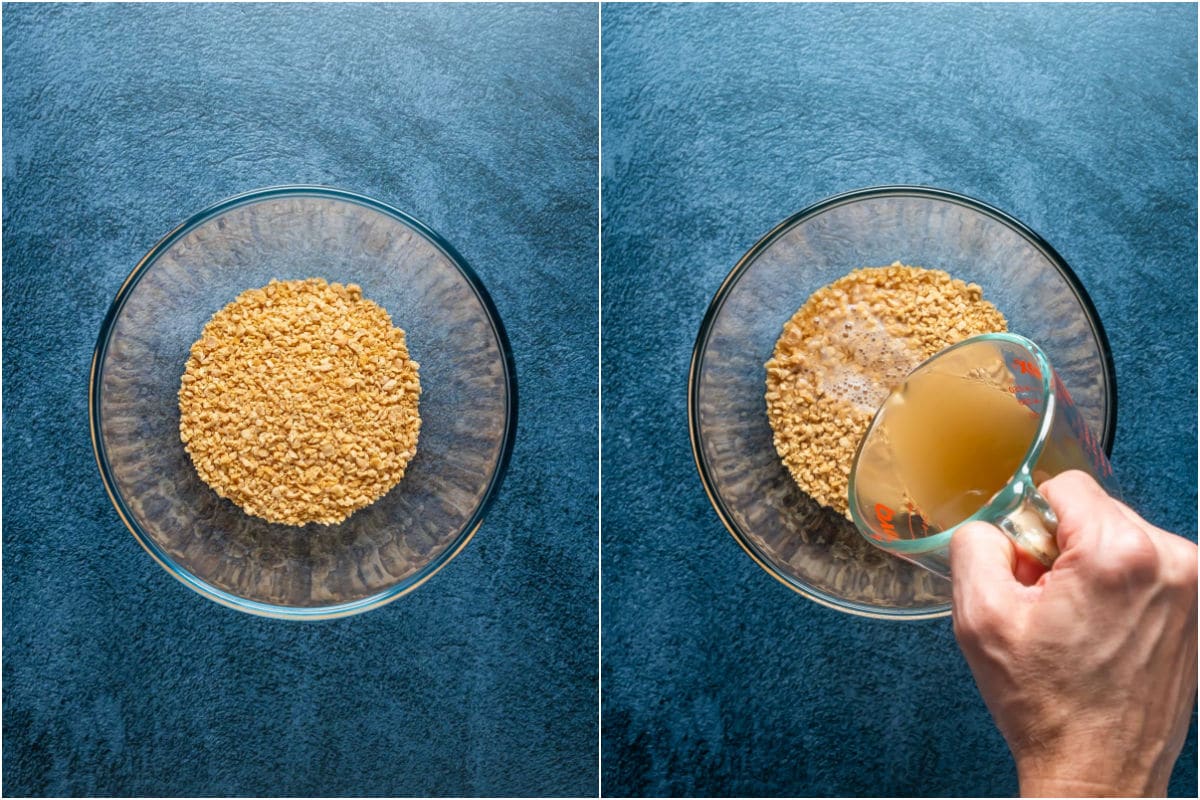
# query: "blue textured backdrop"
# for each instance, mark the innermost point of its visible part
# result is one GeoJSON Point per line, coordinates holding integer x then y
{"type": "Point", "coordinates": [720, 121]}
{"type": "Point", "coordinates": [119, 122]}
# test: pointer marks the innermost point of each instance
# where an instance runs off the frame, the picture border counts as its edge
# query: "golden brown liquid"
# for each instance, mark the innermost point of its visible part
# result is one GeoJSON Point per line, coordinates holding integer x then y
{"type": "Point", "coordinates": [956, 441]}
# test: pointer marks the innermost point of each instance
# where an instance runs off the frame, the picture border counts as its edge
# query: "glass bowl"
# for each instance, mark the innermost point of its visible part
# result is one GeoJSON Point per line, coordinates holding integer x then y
{"type": "Point", "coordinates": [810, 548]}
{"type": "Point", "coordinates": [468, 403]}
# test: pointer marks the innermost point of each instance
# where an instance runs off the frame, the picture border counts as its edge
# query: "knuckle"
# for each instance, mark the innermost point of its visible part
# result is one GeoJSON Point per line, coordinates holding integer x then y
{"type": "Point", "coordinates": [1107, 570]}
{"type": "Point", "coordinates": [966, 632]}
{"type": "Point", "coordinates": [958, 544]}
{"type": "Point", "coordinates": [1127, 555]}
{"type": "Point", "coordinates": [979, 620]}
{"type": "Point", "coordinates": [1136, 549]}
{"type": "Point", "coordinates": [966, 544]}
{"type": "Point", "coordinates": [1179, 568]}
{"type": "Point", "coordinates": [1183, 593]}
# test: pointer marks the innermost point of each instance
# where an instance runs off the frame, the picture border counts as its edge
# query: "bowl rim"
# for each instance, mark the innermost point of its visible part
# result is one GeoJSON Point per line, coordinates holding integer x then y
{"type": "Point", "coordinates": [751, 255]}
{"type": "Point", "coordinates": [257, 607]}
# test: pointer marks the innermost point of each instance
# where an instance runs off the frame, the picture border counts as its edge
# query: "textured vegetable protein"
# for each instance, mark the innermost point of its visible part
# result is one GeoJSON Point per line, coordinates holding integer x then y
{"type": "Point", "coordinates": [299, 402]}
{"type": "Point", "coordinates": [844, 351]}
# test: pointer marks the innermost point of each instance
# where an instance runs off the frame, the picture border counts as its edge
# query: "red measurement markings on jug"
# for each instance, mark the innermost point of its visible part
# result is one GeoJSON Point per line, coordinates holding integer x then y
{"type": "Point", "coordinates": [1027, 368]}
{"type": "Point", "coordinates": [885, 516]}
{"type": "Point", "coordinates": [1089, 443]}
{"type": "Point", "coordinates": [1028, 396]}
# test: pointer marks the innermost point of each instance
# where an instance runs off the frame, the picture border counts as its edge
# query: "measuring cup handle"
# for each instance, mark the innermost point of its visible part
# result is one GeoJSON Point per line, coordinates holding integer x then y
{"type": "Point", "coordinates": [1033, 526]}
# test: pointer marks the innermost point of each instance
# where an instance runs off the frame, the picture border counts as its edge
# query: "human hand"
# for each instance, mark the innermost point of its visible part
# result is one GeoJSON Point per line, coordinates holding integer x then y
{"type": "Point", "coordinates": [1089, 668]}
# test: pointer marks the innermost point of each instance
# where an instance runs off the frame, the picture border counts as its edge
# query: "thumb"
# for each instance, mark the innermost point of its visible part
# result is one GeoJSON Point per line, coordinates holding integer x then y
{"type": "Point", "coordinates": [983, 562]}
{"type": "Point", "coordinates": [1078, 501]}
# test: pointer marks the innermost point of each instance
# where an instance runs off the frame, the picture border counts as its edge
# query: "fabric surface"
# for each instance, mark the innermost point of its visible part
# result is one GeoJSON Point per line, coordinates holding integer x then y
{"type": "Point", "coordinates": [719, 121]}
{"type": "Point", "coordinates": [119, 123]}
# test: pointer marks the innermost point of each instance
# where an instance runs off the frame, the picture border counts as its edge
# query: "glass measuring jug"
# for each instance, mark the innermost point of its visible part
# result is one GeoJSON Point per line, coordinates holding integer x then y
{"type": "Point", "coordinates": [968, 436]}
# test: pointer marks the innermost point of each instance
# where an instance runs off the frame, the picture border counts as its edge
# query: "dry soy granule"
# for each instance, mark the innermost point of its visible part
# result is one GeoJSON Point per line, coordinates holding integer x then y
{"type": "Point", "coordinates": [299, 402]}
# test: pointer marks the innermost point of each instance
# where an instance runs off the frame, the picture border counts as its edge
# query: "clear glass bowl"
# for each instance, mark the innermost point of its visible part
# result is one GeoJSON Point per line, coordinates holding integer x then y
{"type": "Point", "coordinates": [812, 549]}
{"type": "Point", "coordinates": [468, 403]}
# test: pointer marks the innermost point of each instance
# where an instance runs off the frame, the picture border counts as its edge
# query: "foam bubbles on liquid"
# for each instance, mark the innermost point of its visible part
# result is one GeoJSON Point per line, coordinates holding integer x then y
{"type": "Point", "coordinates": [863, 362]}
